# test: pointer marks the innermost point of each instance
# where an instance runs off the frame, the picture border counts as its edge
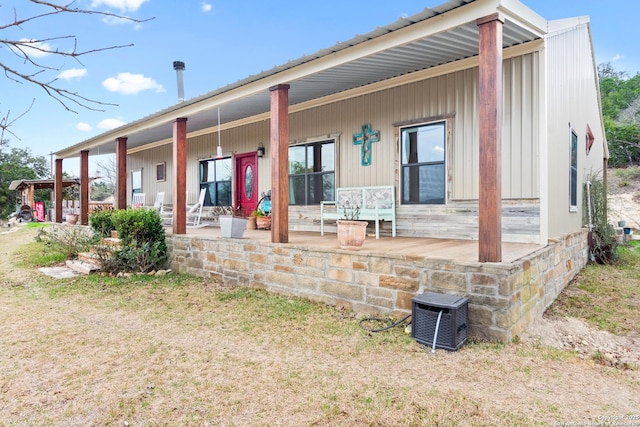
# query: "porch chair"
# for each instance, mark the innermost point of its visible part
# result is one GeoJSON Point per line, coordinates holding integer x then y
{"type": "Point", "coordinates": [167, 213]}
{"type": "Point", "coordinates": [137, 200]}
{"type": "Point", "coordinates": [158, 205]}
{"type": "Point", "coordinates": [195, 212]}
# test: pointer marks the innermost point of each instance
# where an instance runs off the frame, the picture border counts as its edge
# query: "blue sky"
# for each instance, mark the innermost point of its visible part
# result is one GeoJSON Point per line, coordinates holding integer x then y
{"type": "Point", "coordinates": [220, 42]}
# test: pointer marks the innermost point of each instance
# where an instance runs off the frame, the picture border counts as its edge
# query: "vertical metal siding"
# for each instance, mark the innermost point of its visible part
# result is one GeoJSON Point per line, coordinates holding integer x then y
{"type": "Point", "coordinates": [573, 99]}
{"type": "Point", "coordinates": [519, 142]}
{"type": "Point", "coordinates": [453, 95]}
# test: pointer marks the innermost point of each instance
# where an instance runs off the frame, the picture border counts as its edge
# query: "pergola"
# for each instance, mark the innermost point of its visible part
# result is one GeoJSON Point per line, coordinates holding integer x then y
{"type": "Point", "coordinates": [28, 187]}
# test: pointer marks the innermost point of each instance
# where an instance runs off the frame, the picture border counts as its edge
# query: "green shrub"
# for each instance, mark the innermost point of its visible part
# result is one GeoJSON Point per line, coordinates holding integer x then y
{"type": "Point", "coordinates": [143, 240]}
{"type": "Point", "coordinates": [101, 222]}
{"type": "Point", "coordinates": [108, 258]}
{"type": "Point", "coordinates": [67, 240]}
{"type": "Point", "coordinates": [142, 258]}
{"type": "Point", "coordinates": [603, 242]}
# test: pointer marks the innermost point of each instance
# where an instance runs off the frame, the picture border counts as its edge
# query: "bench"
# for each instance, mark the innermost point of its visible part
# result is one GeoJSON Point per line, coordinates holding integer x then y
{"type": "Point", "coordinates": [375, 203]}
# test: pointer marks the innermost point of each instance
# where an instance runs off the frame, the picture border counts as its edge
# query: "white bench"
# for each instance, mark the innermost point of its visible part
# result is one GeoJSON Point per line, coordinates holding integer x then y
{"type": "Point", "coordinates": [375, 203]}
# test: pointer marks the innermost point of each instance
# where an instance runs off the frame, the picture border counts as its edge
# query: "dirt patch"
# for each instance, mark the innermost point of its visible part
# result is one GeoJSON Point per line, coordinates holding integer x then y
{"type": "Point", "coordinates": [575, 335]}
{"type": "Point", "coordinates": [623, 198]}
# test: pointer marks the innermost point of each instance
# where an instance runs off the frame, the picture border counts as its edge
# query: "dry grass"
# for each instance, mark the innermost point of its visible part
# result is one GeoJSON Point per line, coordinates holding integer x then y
{"type": "Point", "coordinates": [184, 351]}
{"type": "Point", "coordinates": [607, 297]}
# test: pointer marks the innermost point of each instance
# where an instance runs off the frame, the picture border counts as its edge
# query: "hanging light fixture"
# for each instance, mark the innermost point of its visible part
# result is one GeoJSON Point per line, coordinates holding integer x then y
{"type": "Point", "coordinates": [219, 150]}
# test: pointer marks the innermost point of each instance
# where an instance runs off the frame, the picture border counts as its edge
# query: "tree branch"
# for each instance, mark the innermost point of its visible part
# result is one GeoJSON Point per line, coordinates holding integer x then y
{"type": "Point", "coordinates": [28, 50]}
{"type": "Point", "coordinates": [6, 121]}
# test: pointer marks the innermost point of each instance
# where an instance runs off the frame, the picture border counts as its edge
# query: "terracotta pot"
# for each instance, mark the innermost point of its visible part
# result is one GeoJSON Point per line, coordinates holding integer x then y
{"type": "Point", "coordinates": [351, 234]}
{"type": "Point", "coordinates": [263, 222]}
{"type": "Point", "coordinates": [114, 234]}
{"type": "Point", "coordinates": [72, 218]}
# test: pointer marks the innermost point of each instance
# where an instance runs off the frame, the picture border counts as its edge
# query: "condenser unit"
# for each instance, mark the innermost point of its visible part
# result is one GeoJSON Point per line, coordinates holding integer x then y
{"type": "Point", "coordinates": [440, 318]}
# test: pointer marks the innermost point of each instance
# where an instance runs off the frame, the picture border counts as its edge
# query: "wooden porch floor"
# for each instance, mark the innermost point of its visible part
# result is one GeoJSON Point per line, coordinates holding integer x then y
{"type": "Point", "coordinates": [446, 249]}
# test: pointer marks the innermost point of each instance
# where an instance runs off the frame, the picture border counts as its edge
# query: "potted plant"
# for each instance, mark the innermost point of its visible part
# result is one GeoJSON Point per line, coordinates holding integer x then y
{"type": "Point", "coordinates": [351, 231]}
{"type": "Point", "coordinates": [251, 220]}
{"type": "Point", "coordinates": [71, 218]}
{"type": "Point", "coordinates": [263, 221]}
{"type": "Point", "coordinates": [233, 225]}
{"type": "Point", "coordinates": [263, 212]}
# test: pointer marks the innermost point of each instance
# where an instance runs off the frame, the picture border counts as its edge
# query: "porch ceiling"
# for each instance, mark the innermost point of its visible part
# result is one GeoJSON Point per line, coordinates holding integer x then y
{"type": "Point", "coordinates": [437, 36]}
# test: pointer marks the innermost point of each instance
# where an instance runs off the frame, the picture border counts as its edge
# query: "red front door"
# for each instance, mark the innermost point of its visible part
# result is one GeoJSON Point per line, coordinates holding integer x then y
{"type": "Point", "coordinates": [246, 182]}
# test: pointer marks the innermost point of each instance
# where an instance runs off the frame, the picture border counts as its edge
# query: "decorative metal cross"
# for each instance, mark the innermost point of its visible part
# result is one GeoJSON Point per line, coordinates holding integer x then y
{"type": "Point", "coordinates": [365, 138]}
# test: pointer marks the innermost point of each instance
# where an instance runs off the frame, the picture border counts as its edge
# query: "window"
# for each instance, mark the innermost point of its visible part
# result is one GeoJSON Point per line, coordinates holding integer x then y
{"type": "Point", "coordinates": [215, 176]}
{"type": "Point", "coordinates": [160, 171]}
{"type": "Point", "coordinates": [136, 181]}
{"type": "Point", "coordinates": [312, 173]}
{"type": "Point", "coordinates": [573, 174]}
{"type": "Point", "coordinates": [423, 166]}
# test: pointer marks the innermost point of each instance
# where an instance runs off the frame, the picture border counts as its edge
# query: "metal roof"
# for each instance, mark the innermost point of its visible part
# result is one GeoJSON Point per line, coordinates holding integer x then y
{"type": "Point", "coordinates": [39, 184]}
{"type": "Point", "coordinates": [435, 36]}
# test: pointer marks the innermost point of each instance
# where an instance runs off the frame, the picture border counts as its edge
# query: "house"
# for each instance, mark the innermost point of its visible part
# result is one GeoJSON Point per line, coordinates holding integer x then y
{"type": "Point", "coordinates": [484, 116]}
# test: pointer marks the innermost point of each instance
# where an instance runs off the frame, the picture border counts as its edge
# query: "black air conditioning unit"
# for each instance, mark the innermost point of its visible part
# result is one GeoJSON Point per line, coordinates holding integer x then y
{"type": "Point", "coordinates": [440, 318]}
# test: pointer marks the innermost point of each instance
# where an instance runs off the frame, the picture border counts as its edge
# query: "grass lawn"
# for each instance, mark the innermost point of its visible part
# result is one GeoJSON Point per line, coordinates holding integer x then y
{"type": "Point", "coordinates": [181, 350]}
{"type": "Point", "coordinates": [606, 296]}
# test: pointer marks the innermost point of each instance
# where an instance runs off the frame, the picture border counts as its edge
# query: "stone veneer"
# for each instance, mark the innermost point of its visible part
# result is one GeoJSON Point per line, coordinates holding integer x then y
{"type": "Point", "coordinates": [503, 297]}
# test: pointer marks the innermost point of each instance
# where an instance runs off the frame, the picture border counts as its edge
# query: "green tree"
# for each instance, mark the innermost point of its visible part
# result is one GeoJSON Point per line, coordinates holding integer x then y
{"type": "Point", "coordinates": [100, 191]}
{"type": "Point", "coordinates": [620, 96]}
{"type": "Point", "coordinates": [17, 163]}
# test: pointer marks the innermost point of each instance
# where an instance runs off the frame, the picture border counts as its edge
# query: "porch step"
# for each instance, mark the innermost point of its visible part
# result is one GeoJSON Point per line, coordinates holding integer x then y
{"type": "Point", "coordinates": [89, 257]}
{"type": "Point", "coordinates": [111, 241]}
{"type": "Point", "coordinates": [82, 267]}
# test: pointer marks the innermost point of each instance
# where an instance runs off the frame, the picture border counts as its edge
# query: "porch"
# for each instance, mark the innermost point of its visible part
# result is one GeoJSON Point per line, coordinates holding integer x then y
{"type": "Point", "coordinates": [383, 277]}
{"type": "Point", "coordinates": [453, 250]}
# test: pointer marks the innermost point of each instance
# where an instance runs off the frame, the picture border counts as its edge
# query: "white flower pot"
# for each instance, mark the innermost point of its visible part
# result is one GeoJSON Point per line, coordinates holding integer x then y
{"type": "Point", "coordinates": [232, 226]}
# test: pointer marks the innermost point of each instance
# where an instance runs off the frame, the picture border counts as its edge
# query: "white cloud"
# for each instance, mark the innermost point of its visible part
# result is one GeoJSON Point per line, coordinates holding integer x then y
{"type": "Point", "coordinates": [438, 149]}
{"type": "Point", "coordinates": [617, 57]}
{"type": "Point", "coordinates": [84, 127]}
{"type": "Point", "coordinates": [123, 6]}
{"type": "Point", "coordinates": [114, 20]}
{"type": "Point", "coordinates": [109, 124]}
{"type": "Point", "coordinates": [206, 7]}
{"type": "Point", "coordinates": [131, 84]}
{"type": "Point", "coordinates": [36, 51]}
{"type": "Point", "coordinates": [73, 73]}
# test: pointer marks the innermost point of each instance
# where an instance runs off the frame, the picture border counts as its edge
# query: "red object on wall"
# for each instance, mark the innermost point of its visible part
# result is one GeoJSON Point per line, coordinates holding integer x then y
{"type": "Point", "coordinates": [39, 211]}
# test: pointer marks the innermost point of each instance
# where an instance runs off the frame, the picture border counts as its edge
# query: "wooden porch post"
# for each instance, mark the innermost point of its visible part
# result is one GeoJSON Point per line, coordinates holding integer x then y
{"type": "Point", "coordinates": [179, 176]}
{"type": "Point", "coordinates": [84, 187]}
{"type": "Point", "coordinates": [279, 163]}
{"type": "Point", "coordinates": [490, 192]}
{"type": "Point", "coordinates": [31, 196]}
{"type": "Point", "coordinates": [57, 188]}
{"type": "Point", "coordinates": [121, 173]}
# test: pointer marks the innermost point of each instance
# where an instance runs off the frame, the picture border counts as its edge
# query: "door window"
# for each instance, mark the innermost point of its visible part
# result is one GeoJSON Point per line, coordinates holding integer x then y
{"type": "Point", "coordinates": [215, 176]}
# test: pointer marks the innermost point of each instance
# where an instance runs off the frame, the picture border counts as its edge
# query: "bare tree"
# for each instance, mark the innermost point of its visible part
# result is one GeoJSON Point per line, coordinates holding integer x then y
{"type": "Point", "coordinates": [29, 68]}
{"type": "Point", "coordinates": [108, 171]}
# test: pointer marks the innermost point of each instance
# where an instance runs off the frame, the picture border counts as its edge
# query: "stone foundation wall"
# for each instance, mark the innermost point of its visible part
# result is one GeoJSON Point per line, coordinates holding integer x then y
{"type": "Point", "coordinates": [503, 298]}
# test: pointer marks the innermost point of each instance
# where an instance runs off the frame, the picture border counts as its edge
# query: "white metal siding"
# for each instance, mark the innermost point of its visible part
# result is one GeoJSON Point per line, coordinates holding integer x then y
{"type": "Point", "coordinates": [573, 100]}
{"type": "Point", "coordinates": [453, 96]}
